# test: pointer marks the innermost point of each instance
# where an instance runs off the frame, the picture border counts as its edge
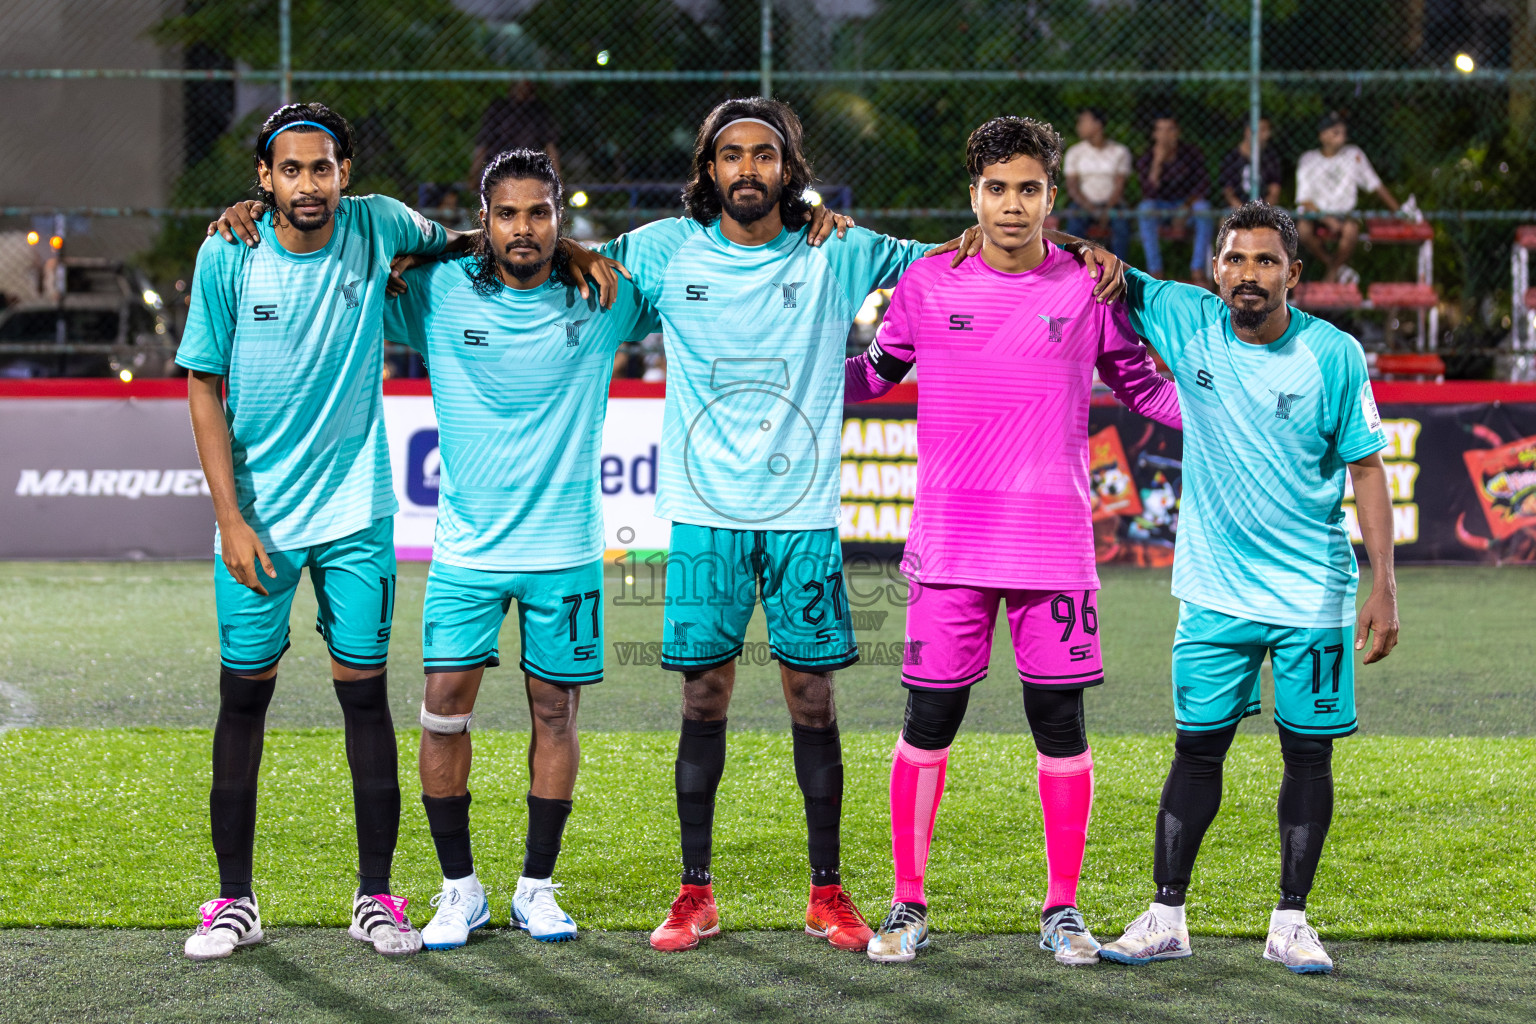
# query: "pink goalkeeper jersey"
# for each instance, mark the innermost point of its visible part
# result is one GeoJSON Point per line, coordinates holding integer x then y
{"type": "Point", "coordinates": [1006, 375]}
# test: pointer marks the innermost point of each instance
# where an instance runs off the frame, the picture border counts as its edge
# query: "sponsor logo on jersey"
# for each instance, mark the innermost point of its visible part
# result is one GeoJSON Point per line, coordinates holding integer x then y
{"type": "Point", "coordinates": [696, 292]}
{"type": "Point", "coordinates": [1205, 380]}
{"type": "Point", "coordinates": [477, 339]}
{"type": "Point", "coordinates": [790, 290]}
{"type": "Point", "coordinates": [1054, 323]}
{"type": "Point", "coordinates": [265, 312]}
{"type": "Point", "coordinates": [1283, 403]}
{"type": "Point", "coordinates": [573, 332]}
{"type": "Point", "coordinates": [1368, 408]}
{"type": "Point", "coordinates": [961, 322]}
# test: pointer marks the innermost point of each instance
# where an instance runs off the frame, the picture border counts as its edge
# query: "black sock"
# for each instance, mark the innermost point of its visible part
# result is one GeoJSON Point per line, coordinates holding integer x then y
{"type": "Point", "coordinates": [448, 820]}
{"type": "Point", "coordinates": [1191, 798]}
{"type": "Point", "coordinates": [374, 760]}
{"type": "Point", "coordinates": [700, 763]}
{"type": "Point", "coordinates": [237, 740]}
{"type": "Point", "coordinates": [819, 770]}
{"type": "Point", "coordinates": [546, 823]}
{"type": "Point", "coordinates": [1305, 810]}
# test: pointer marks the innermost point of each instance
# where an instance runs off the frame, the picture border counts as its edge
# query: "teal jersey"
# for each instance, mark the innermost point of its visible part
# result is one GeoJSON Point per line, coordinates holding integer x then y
{"type": "Point", "coordinates": [520, 386]}
{"type": "Point", "coordinates": [299, 339]}
{"type": "Point", "coordinates": [1268, 430]}
{"type": "Point", "coordinates": [755, 342]}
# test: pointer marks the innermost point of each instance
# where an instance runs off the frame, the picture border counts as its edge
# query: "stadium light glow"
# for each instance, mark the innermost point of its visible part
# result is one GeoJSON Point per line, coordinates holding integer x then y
{"type": "Point", "coordinates": [811, 196]}
{"type": "Point", "coordinates": [602, 58]}
{"type": "Point", "coordinates": [579, 199]}
{"type": "Point", "coordinates": [152, 298]}
{"type": "Point", "coordinates": [33, 238]}
{"type": "Point", "coordinates": [57, 241]}
{"type": "Point", "coordinates": [1465, 64]}
{"type": "Point", "coordinates": [125, 376]}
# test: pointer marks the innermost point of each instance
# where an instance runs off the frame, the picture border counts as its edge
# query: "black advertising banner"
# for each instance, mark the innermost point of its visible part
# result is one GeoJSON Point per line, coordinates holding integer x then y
{"type": "Point", "coordinates": [1462, 479]}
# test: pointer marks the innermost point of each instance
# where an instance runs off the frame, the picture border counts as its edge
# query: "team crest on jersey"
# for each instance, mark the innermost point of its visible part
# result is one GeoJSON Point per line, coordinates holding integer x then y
{"type": "Point", "coordinates": [1055, 324]}
{"type": "Point", "coordinates": [573, 332]}
{"type": "Point", "coordinates": [1283, 403]}
{"type": "Point", "coordinates": [349, 293]}
{"type": "Point", "coordinates": [791, 291]}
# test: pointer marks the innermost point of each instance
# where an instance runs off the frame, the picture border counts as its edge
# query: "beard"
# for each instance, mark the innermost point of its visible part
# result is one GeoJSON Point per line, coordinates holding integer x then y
{"type": "Point", "coordinates": [1245, 318]}
{"type": "Point", "coordinates": [752, 211]}
{"type": "Point", "coordinates": [526, 269]}
{"type": "Point", "coordinates": [308, 220]}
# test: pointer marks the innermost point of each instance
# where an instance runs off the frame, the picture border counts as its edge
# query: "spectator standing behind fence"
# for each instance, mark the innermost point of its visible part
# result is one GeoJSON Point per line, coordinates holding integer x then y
{"type": "Point", "coordinates": [1096, 168]}
{"type": "Point", "coordinates": [518, 120]}
{"type": "Point", "coordinates": [1329, 180]}
{"type": "Point", "coordinates": [1173, 176]}
{"type": "Point", "coordinates": [1237, 169]}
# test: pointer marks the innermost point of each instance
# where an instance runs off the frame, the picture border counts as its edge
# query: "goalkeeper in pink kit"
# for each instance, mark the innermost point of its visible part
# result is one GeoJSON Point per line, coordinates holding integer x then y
{"type": "Point", "coordinates": [1007, 343]}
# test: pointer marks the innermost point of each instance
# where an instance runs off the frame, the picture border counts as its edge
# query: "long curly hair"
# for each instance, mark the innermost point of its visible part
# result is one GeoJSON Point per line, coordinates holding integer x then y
{"type": "Point", "coordinates": [484, 270]}
{"type": "Point", "coordinates": [701, 197]}
{"type": "Point", "coordinates": [316, 112]}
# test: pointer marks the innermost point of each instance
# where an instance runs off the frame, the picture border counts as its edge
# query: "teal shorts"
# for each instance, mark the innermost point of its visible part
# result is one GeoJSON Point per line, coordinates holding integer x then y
{"type": "Point", "coordinates": [559, 619]}
{"type": "Point", "coordinates": [714, 579]}
{"type": "Point", "coordinates": [1216, 661]}
{"type": "Point", "coordinates": [354, 581]}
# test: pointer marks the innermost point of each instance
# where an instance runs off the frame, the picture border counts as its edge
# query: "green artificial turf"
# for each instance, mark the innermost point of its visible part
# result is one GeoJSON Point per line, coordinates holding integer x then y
{"type": "Point", "coordinates": [114, 644]}
{"type": "Point", "coordinates": [1431, 837]}
{"type": "Point", "coordinates": [305, 975]}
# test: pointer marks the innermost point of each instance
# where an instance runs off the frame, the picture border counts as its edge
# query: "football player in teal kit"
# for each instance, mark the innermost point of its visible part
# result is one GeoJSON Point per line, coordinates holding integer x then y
{"type": "Point", "coordinates": [520, 365]}
{"type": "Point", "coordinates": [298, 466]}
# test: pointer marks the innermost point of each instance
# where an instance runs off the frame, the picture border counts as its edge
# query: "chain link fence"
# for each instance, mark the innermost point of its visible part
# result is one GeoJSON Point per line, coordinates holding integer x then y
{"type": "Point", "coordinates": [133, 122]}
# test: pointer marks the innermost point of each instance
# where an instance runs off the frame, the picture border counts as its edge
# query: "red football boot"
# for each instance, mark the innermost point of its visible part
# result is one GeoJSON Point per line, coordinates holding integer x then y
{"type": "Point", "coordinates": [693, 917]}
{"type": "Point", "coordinates": [830, 914]}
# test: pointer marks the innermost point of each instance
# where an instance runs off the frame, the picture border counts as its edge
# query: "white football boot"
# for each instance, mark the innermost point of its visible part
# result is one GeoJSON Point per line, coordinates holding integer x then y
{"type": "Point", "coordinates": [1066, 934]}
{"type": "Point", "coordinates": [381, 920]}
{"type": "Point", "coordinates": [1295, 944]}
{"type": "Point", "coordinates": [461, 908]}
{"type": "Point", "coordinates": [1159, 934]}
{"type": "Point", "coordinates": [535, 911]}
{"type": "Point", "coordinates": [226, 925]}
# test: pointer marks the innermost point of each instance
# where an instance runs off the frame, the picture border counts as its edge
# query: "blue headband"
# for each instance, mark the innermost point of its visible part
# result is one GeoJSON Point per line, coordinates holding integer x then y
{"type": "Point", "coordinates": [295, 124]}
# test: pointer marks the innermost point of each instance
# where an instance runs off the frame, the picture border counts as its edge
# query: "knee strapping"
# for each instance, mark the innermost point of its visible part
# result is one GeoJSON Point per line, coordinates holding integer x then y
{"type": "Point", "coordinates": [445, 725]}
{"type": "Point", "coordinates": [933, 717]}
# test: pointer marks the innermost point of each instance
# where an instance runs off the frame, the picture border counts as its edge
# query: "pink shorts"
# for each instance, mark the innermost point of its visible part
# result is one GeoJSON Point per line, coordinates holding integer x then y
{"type": "Point", "coordinates": [949, 636]}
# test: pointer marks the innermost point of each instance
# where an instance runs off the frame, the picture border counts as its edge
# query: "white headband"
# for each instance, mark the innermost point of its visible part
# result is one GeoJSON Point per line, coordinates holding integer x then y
{"type": "Point", "coordinates": [745, 120]}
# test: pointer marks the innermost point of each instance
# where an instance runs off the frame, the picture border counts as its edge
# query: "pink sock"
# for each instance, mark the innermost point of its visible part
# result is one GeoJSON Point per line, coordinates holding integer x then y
{"type": "Point", "coordinates": [917, 785]}
{"type": "Point", "coordinates": [1066, 799]}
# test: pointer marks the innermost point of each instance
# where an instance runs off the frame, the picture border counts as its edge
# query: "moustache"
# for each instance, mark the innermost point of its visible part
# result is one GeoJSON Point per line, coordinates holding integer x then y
{"type": "Point", "coordinates": [521, 243]}
{"type": "Point", "coordinates": [1248, 289]}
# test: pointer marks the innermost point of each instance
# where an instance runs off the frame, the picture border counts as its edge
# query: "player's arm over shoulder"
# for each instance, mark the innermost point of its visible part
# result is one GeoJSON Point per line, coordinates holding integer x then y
{"type": "Point", "coordinates": [408, 317]}
{"type": "Point", "coordinates": [1167, 313]}
{"type": "Point", "coordinates": [864, 260]}
{"type": "Point", "coordinates": [645, 251]}
{"type": "Point", "coordinates": [405, 231]}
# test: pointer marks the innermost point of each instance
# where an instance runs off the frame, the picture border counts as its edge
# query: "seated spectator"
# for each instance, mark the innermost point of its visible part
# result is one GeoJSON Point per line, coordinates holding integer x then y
{"type": "Point", "coordinates": [1173, 176]}
{"type": "Point", "coordinates": [1328, 181]}
{"type": "Point", "coordinates": [1237, 169]}
{"type": "Point", "coordinates": [1096, 169]}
